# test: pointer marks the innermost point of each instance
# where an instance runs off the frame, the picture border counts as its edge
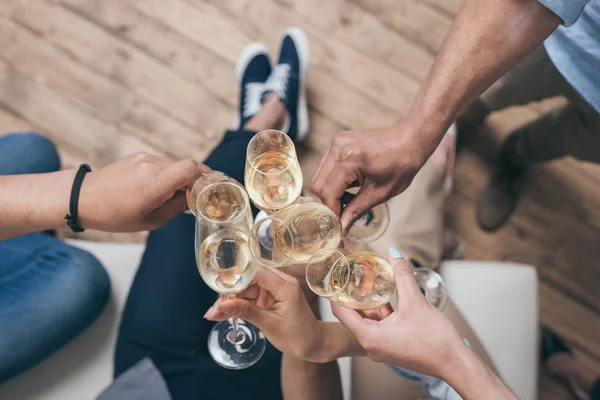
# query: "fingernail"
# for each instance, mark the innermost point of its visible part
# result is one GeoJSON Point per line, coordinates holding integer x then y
{"type": "Point", "coordinates": [210, 311]}
{"type": "Point", "coordinates": [394, 252]}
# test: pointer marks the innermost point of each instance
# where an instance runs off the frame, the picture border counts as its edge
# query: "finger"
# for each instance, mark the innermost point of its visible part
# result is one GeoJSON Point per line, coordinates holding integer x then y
{"type": "Point", "coordinates": [352, 320]}
{"type": "Point", "coordinates": [248, 312]}
{"type": "Point", "coordinates": [408, 290]}
{"type": "Point", "coordinates": [366, 198]}
{"type": "Point", "coordinates": [178, 175]}
{"type": "Point", "coordinates": [275, 282]}
{"type": "Point", "coordinates": [336, 186]}
{"type": "Point", "coordinates": [251, 293]}
{"type": "Point", "coordinates": [328, 163]}
{"type": "Point", "coordinates": [167, 211]}
{"type": "Point", "coordinates": [385, 310]}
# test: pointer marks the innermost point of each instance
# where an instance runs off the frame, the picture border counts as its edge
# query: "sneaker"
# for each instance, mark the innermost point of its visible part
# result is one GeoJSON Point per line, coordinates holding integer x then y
{"type": "Point", "coordinates": [288, 80]}
{"type": "Point", "coordinates": [252, 70]}
{"type": "Point", "coordinates": [499, 199]}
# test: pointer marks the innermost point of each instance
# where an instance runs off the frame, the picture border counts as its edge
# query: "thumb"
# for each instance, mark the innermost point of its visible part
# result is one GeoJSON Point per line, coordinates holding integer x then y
{"type": "Point", "coordinates": [247, 311]}
{"type": "Point", "coordinates": [406, 283]}
{"type": "Point", "coordinates": [177, 176]}
{"type": "Point", "coordinates": [167, 211]}
{"type": "Point", "coordinates": [365, 199]}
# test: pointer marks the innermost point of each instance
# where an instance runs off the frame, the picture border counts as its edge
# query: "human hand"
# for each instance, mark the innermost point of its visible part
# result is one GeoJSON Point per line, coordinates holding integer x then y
{"type": "Point", "coordinates": [276, 305]}
{"type": "Point", "coordinates": [416, 336]}
{"type": "Point", "coordinates": [139, 192]}
{"type": "Point", "coordinates": [382, 161]}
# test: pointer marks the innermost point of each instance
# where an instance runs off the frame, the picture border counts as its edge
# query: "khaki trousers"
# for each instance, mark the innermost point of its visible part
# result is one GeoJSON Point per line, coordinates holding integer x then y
{"type": "Point", "coordinates": [572, 129]}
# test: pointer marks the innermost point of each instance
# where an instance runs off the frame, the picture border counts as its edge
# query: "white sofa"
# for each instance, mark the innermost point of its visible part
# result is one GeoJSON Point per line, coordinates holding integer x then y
{"type": "Point", "coordinates": [499, 300]}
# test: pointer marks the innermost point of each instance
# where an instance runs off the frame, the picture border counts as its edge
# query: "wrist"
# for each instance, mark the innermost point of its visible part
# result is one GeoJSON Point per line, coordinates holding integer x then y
{"type": "Point", "coordinates": [471, 377]}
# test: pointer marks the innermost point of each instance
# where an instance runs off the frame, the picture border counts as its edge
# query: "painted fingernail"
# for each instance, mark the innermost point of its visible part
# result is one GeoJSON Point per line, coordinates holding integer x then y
{"type": "Point", "coordinates": [394, 252]}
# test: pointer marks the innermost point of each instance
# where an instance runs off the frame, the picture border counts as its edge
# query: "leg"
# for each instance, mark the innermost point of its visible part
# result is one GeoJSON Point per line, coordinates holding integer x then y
{"type": "Point", "coordinates": [571, 129]}
{"type": "Point", "coordinates": [163, 317]}
{"type": "Point", "coordinates": [46, 286]}
{"type": "Point", "coordinates": [49, 293]}
{"type": "Point", "coordinates": [27, 153]}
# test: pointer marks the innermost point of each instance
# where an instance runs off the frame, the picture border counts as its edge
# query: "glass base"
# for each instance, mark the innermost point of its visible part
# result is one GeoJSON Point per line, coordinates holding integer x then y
{"type": "Point", "coordinates": [236, 352]}
{"type": "Point", "coordinates": [432, 286]}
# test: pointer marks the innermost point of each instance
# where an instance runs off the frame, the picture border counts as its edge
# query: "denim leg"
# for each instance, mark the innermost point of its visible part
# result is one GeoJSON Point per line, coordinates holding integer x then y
{"type": "Point", "coordinates": [163, 316]}
{"type": "Point", "coordinates": [27, 153]}
{"type": "Point", "coordinates": [49, 293]}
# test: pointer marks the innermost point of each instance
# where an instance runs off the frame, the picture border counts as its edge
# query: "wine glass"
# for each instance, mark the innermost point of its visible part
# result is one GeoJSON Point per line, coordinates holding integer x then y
{"type": "Point", "coordinates": [226, 264]}
{"type": "Point", "coordinates": [356, 279]}
{"type": "Point", "coordinates": [432, 286]}
{"type": "Point", "coordinates": [273, 177]}
{"type": "Point", "coordinates": [295, 233]}
{"type": "Point", "coordinates": [206, 179]}
{"type": "Point", "coordinates": [371, 225]}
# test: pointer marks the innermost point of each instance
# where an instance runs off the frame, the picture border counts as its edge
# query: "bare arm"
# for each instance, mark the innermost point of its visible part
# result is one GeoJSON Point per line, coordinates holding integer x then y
{"type": "Point", "coordinates": [136, 193]}
{"type": "Point", "coordinates": [473, 379]}
{"type": "Point", "coordinates": [304, 380]}
{"type": "Point", "coordinates": [33, 203]}
{"type": "Point", "coordinates": [487, 38]}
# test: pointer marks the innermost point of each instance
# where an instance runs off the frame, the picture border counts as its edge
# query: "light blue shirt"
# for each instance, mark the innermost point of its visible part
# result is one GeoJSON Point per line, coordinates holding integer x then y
{"type": "Point", "coordinates": [574, 48]}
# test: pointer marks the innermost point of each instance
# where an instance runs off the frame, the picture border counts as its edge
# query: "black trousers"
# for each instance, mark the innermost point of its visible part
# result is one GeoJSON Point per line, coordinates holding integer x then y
{"type": "Point", "coordinates": [163, 316]}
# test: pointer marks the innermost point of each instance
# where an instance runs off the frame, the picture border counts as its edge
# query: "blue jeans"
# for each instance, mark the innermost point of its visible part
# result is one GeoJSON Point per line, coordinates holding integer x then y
{"type": "Point", "coordinates": [49, 291]}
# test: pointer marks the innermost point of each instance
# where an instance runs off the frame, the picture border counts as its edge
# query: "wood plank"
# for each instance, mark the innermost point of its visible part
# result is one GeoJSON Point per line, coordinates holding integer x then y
{"type": "Point", "coordinates": [384, 85]}
{"type": "Point", "coordinates": [200, 24]}
{"type": "Point", "coordinates": [354, 23]}
{"type": "Point", "coordinates": [102, 52]}
{"type": "Point", "coordinates": [98, 95]}
{"type": "Point", "coordinates": [178, 52]}
{"type": "Point", "coordinates": [42, 106]}
{"type": "Point", "coordinates": [421, 24]}
{"type": "Point", "coordinates": [570, 320]}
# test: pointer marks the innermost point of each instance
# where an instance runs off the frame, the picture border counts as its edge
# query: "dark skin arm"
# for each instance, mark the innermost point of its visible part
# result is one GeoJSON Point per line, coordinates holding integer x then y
{"type": "Point", "coordinates": [487, 38]}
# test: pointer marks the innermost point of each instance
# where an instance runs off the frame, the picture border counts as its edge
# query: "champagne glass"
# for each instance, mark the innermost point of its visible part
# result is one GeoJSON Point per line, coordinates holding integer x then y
{"type": "Point", "coordinates": [432, 286]}
{"type": "Point", "coordinates": [295, 233]}
{"type": "Point", "coordinates": [273, 177]}
{"type": "Point", "coordinates": [357, 279]}
{"type": "Point", "coordinates": [371, 225]}
{"type": "Point", "coordinates": [225, 263]}
{"type": "Point", "coordinates": [228, 196]}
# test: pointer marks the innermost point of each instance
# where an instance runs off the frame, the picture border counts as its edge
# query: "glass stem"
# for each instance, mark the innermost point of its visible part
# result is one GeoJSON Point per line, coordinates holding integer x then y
{"type": "Point", "coordinates": [236, 335]}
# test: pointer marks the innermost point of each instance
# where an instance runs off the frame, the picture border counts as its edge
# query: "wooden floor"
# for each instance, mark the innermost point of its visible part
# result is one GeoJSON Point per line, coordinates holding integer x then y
{"type": "Point", "coordinates": [105, 78]}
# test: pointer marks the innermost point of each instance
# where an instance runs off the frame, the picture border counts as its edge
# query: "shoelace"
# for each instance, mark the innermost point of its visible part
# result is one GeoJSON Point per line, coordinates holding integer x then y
{"type": "Point", "coordinates": [279, 79]}
{"type": "Point", "coordinates": [253, 97]}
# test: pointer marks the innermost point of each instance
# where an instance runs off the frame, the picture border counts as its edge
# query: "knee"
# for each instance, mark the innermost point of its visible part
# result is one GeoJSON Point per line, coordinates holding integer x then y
{"type": "Point", "coordinates": [39, 151]}
{"type": "Point", "coordinates": [85, 281]}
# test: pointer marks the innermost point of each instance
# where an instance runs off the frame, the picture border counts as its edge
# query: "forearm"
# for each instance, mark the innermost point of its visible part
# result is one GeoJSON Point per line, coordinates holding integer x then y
{"type": "Point", "coordinates": [487, 38]}
{"type": "Point", "coordinates": [303, 380]}
{"type": "Point", "coordinates": [34, 203]}
{"type": "Point", "coordinates": [338, 342]}
{"type": "Point", "coordinates": [473, 379]}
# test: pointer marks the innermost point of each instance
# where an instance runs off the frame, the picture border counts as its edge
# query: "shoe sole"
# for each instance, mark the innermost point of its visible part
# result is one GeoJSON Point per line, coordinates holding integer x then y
{"type": "Point", "coordinates": [303, 48]}
{"type": "Point", "coordinates": [247, 55]}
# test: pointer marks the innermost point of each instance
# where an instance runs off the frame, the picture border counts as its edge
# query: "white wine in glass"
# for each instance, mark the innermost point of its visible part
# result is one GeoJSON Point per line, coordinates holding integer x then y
{"type": "Point", "coordinates": [308, 228]}
{"type": "Point", "coordinates": [223, 221]}
{"type": "Point", "coordinates": [225, 261]}
{"type": "Point", "coordinates": [273, 177]}
{"type": "Point", "coordinates": [357, 279]}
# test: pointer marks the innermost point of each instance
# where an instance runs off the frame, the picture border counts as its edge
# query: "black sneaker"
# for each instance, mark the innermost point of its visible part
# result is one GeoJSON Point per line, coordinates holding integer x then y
{"type": "Point", "coordinates": [288, 80]}
{"type": "Point", "coordinates": [252, 70]}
